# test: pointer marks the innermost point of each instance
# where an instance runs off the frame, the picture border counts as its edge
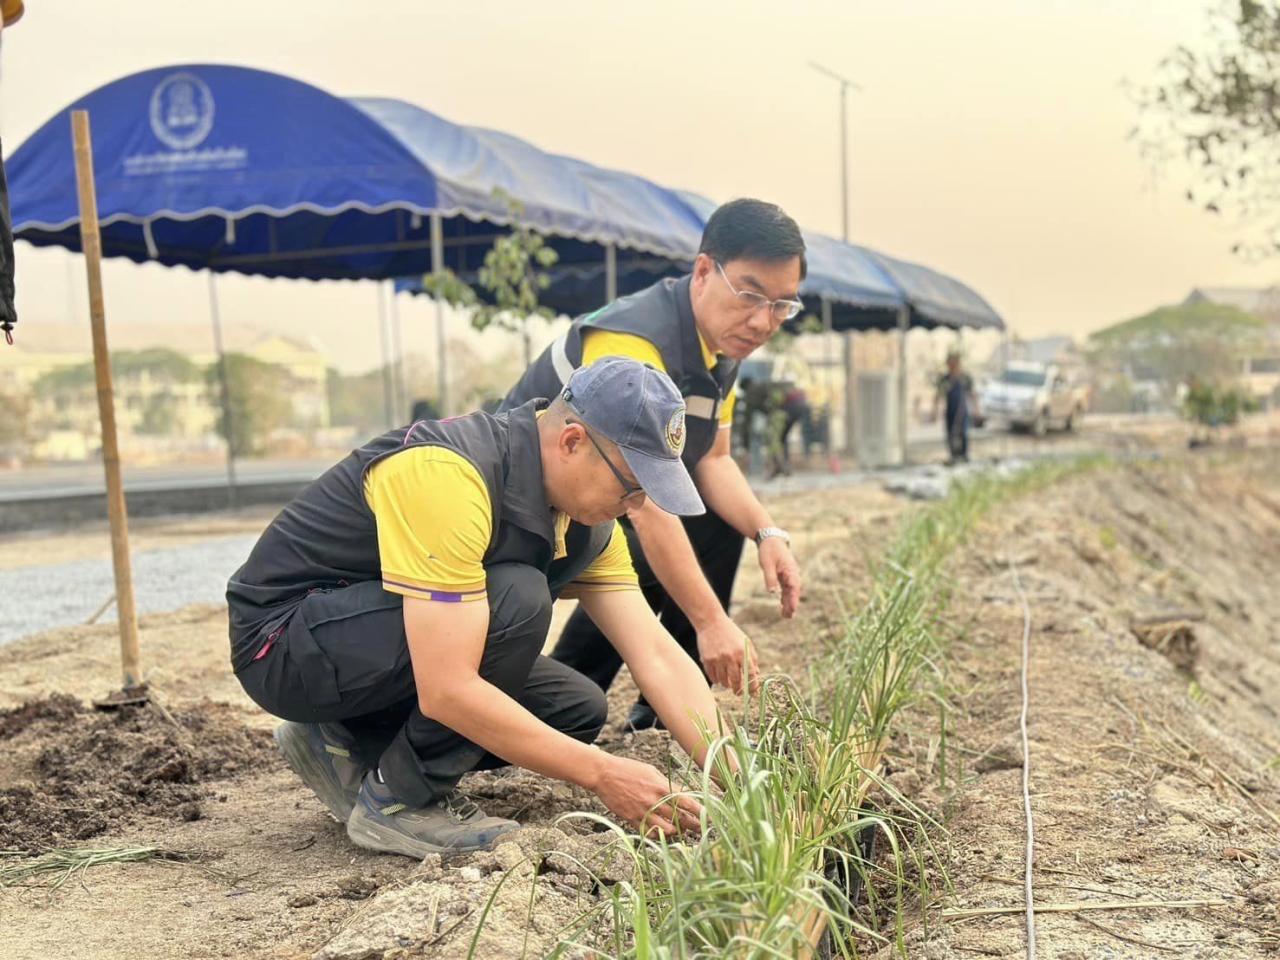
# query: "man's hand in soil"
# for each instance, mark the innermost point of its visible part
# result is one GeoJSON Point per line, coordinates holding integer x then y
{"type": "Point", "coordinates": [722, 648]}
{"type": "Point", "coordinates": [781, 574]}
{"type": "Point", "coordinates": [635, 791]}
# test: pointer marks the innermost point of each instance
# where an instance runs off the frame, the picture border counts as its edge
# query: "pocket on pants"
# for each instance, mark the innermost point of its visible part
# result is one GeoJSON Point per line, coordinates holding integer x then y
{"type": "Point", "coordinates": [318, 674]}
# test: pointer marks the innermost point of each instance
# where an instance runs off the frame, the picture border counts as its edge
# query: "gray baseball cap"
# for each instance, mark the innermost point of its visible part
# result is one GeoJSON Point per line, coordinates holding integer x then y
{"type": "Point", "coordinates": [637, 406]}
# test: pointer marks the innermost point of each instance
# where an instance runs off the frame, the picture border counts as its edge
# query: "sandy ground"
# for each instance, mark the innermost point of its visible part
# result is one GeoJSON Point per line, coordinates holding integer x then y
{"type": "Point", "coordinates": [273, 875]}
{"type": "Point", "coordinates": [1150, 779]}
{"type": "Point", "coordinates": [1154, 737]}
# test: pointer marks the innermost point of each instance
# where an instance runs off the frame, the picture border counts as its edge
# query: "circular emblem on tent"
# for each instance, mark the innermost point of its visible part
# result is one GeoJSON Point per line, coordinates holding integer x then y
{"type": "Point", "coordinates": [181, 111]}
{"type": "Point", "coordinates": [675, 432]}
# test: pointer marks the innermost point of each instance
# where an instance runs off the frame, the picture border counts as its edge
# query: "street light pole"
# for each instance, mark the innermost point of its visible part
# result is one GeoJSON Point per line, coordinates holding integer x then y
{"type": "Point", "coordinates": [845, 85]}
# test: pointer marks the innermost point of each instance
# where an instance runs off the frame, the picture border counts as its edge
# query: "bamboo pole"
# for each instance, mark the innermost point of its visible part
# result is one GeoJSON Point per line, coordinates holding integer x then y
{"type": "Point", "coordinates": [91, 243]}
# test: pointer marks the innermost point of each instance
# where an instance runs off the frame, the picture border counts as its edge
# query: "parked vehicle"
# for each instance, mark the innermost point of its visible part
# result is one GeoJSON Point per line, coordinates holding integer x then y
{"type": "Point", "coordinates": [1036, 397]}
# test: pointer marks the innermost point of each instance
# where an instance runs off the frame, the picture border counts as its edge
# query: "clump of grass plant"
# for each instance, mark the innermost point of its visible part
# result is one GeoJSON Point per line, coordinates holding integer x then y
{"type": "Point", "coordinates": [769, 877]}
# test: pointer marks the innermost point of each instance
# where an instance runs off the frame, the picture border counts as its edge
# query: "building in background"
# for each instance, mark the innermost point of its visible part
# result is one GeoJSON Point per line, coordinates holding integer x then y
{"type": "Point", "coordinates": [1261, 369]}
{"type": "Point", "coordinates": [166, 390]}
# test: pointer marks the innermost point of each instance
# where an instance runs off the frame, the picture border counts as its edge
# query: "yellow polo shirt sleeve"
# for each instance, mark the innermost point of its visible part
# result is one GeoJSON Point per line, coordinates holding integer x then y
{"type": "Point", "coordinates": [611, 570]}
{"type": "Point", "coordinates": [608, 343]}
{"type": "Point", "coordinates": [435, 520]}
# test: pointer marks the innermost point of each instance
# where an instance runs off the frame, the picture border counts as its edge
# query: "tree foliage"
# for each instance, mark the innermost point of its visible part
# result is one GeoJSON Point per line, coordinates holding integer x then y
{"type": "Point", "coordinates": [259, 403]}
{"type": "Point", "coordinates": [1173, 345]}
{"type": "Point", "coordinates": [1216, 406]}
{"type": "Point", "coordinates": [160, 363]}
{"type": "Point", "coordinates": [510, 282]}
{"type": "Point", "coordinates": [1218, 108]}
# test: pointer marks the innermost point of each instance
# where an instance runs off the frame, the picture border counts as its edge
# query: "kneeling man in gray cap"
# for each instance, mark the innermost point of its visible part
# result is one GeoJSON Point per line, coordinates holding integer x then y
{"type": "Point", "coordinates": [394, 614]}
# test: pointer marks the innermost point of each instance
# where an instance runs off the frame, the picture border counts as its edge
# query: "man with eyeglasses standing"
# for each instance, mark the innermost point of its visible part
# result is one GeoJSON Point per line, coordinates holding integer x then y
{"type": "Point", "coordinates": [395, 612]}
{"type": "Point", "coordinates": [745, 283]}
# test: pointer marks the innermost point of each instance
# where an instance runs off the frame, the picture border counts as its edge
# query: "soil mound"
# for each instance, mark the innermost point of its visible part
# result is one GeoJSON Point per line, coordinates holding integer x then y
{"type": "Point", "coordinates": [71, 773]}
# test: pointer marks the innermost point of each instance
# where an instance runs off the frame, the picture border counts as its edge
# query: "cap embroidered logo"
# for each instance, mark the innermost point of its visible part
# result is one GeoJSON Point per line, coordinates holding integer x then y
{"type": "Point", "coordinates": [675, 432]}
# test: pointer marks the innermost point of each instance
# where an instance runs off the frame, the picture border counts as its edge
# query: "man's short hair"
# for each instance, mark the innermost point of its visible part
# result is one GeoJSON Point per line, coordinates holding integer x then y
{"type": "Point", "coordinates": [749, 229]}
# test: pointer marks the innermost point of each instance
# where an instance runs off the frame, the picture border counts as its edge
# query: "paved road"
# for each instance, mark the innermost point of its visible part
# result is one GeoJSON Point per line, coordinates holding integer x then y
{"type": "Point", "coordinates": [65, 480]}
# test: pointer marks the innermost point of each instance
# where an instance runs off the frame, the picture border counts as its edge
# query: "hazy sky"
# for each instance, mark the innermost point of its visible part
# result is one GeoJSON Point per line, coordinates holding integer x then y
{"type": "Point", "coordinates": [989, 140]}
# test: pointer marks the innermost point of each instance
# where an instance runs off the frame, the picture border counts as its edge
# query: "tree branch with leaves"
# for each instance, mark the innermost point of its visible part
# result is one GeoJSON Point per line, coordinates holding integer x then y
{"type": "Point", "coordinates": [511, 280]}
{"type": "Point", "coordinates": [1218, 109]}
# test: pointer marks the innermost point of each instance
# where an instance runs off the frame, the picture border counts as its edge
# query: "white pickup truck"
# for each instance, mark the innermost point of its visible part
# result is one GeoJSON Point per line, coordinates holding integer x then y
{"type": "Point", "coordinates": [1032, 396]}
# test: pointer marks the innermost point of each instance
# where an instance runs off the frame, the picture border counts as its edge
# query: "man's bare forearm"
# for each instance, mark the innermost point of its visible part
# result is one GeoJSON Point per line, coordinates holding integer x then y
{"type": "Point", "coordinates": [725, 490]}
{"type": "Point", "coordinates": [481, 712]}
{"type": "Point", "coordinates": [669, 680]}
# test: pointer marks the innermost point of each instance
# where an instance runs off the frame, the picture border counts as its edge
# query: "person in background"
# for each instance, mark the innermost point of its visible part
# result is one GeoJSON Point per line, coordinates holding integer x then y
{"type": "Point", "coordinates": [955, 387]}
{"type": "Point", "coordinates": [10, 13]}
{"type": "Point", "coordinates": [794, 409]}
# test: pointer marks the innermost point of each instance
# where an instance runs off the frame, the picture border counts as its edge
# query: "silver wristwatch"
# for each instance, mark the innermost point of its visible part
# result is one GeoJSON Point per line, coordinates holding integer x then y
{"type": "Point", "coordinates": [764, 533]}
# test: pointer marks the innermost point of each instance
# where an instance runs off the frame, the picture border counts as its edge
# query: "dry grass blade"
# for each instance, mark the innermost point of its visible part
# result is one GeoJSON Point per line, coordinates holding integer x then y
{"type": "Point", "coordinates": [55, 867]}
{"type": "Point", "coordinates": [1083, 905]}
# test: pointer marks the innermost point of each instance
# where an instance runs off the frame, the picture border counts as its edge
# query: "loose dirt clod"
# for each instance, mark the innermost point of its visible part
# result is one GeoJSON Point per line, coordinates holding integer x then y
{"type": "Point", "coordinates": [1176, 641]}
{"type": "Point", "coordinates": [75, 773]}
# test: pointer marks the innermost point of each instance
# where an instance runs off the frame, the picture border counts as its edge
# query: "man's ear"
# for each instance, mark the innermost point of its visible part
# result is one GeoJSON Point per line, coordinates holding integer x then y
{"type": "Point", "coordinates": [702, 268]}
{"type": "Point", "coordinates": [572, 436]}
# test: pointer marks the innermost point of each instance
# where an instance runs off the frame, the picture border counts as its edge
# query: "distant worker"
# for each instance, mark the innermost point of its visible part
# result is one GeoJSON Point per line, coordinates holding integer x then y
{"type": "Point", "coordinates": [955, 387]}
{"type": "Point", "coordinates": [794, 410]}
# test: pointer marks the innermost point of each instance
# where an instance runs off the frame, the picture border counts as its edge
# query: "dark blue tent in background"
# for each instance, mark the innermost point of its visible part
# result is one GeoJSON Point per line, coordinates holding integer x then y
{"type": "Point", "coordinates": [229, 168]}
{"type": "Point", "coordinates": [233, 169]}
{"type": "Point", "coordinates": [225, 168]}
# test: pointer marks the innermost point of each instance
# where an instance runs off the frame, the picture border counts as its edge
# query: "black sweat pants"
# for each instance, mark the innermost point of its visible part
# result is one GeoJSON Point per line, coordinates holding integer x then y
{"type": "Point", "coordinates": [718, 548]}
{"type": "Point", "coordinates": [343, 658]}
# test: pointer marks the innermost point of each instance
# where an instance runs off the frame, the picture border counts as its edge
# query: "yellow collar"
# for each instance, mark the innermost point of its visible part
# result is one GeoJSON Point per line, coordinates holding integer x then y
{"type": "Point", "coordinates": [708, 357]}
{"type": "Point", "coordinates": [562, 528]}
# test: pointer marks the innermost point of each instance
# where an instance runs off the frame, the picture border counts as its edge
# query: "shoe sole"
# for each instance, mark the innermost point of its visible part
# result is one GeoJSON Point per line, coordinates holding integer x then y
{"type": "Point", "coordinates": [371, 835]}
{"type": "Point", "coordinates": [294, 745]}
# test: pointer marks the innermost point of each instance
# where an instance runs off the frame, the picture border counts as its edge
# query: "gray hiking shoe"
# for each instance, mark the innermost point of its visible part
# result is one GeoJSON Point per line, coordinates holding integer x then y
{"type": "Point", "coordinates": [452, 824]}
{"type": "Point", "coordinates": [323, 755]}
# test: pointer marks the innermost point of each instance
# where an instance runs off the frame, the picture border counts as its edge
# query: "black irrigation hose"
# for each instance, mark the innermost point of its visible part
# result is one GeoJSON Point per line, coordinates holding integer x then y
{"type": "Point", "coordinates": [843, 872]}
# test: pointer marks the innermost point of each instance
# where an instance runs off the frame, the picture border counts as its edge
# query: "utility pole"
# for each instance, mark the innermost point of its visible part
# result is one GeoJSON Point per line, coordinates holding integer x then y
{"type": "Point", "coordinates": [845, 86]}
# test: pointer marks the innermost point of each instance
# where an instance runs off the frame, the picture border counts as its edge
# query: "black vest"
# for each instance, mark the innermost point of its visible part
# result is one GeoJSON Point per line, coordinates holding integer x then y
{"type": "Point", "coordinates": [663, 315]}
{"type": "Point", "coordinates": [327, 537]}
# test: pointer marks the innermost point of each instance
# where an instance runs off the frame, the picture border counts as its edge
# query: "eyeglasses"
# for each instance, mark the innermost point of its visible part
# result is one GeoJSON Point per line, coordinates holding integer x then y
{"type": "Point", "coordinates": [779, 310]}
{"type": "Point", "coordinates": [629, 489]}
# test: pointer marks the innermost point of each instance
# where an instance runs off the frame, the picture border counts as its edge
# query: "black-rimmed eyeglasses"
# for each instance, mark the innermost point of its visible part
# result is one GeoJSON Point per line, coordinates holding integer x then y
{"type": "Point", "coordinates": [629, 489]}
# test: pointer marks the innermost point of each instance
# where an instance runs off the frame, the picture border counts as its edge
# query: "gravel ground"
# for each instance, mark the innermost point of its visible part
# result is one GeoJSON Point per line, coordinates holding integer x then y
{"type": "Point", "coordinates": [166, 578]}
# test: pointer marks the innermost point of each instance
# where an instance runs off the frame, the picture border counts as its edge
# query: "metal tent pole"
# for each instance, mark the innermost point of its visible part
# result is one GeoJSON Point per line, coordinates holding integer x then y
{"type": "Point", "coordinates": [388, 389]}
{"type": "Point", "coordinates": [401, 390]}
{"type": "Point", "coordinates": [850, 394]}
{"type": "Point", "coordinates": [442, 368]}
{"type": "Point", "coordinates": [833, 462]}
{"type": "Point", "coordinates": [904, 319]}
{"type": "Point", "coordinates": [610, 273]}
{"type": "Point", "coordinates": [224, 392]}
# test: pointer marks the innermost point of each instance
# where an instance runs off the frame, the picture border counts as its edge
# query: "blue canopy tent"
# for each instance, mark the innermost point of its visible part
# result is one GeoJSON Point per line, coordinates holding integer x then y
{"type": "Point", "coordinates": [233, 169]}
{"type": "Point", "coordinates": [645, 231]}
{"type": "Point", "coordinates": [935, 299]}
{"type": "Point", "coordinates": [227, 168]}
